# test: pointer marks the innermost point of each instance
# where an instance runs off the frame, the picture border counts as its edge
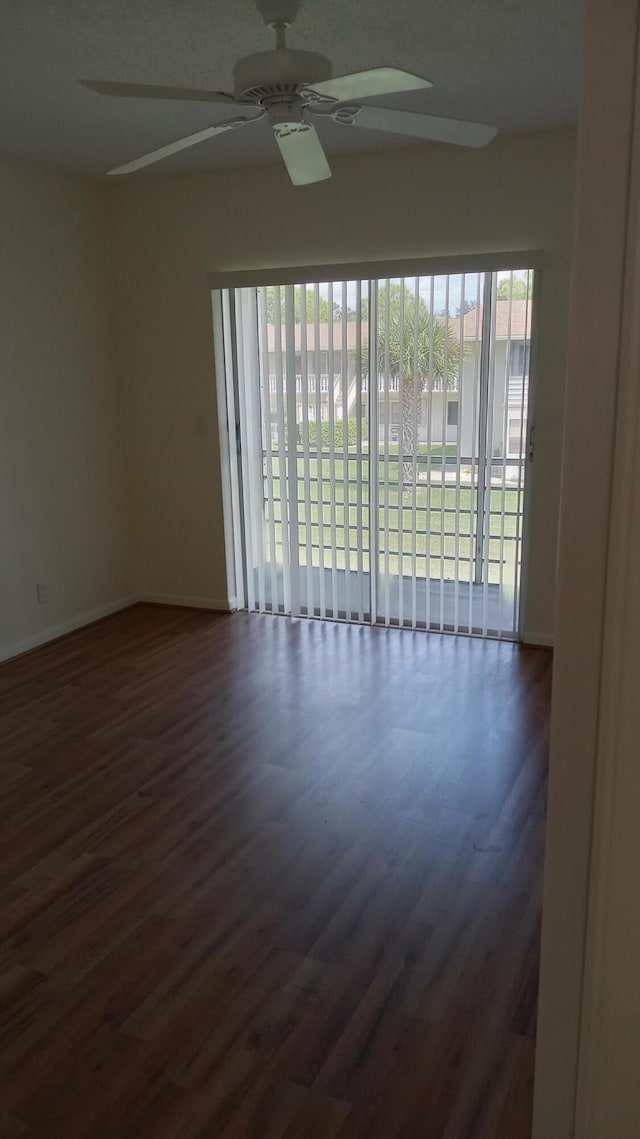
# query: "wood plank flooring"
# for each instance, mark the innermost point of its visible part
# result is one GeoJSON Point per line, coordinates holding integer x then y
{"type": "Point", "coordinates": [269, 878]}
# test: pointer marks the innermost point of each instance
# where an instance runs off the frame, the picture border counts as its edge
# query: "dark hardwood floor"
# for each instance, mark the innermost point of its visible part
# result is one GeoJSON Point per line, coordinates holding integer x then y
{"type": "Point", "coordinates": [269, 878]}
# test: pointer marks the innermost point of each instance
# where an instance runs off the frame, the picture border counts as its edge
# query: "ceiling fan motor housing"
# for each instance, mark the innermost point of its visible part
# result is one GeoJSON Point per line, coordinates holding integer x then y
{"type": "Point", "coordinates": [279, 72]}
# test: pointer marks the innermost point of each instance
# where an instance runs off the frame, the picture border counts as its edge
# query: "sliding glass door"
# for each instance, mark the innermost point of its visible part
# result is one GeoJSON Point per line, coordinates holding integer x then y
{"type": "Point", "coordinates": [381, 431]}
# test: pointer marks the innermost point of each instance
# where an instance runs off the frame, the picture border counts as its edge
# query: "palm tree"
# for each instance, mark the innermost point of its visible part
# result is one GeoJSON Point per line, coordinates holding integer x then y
{"type": "Point", "coordinates": [420, 350]}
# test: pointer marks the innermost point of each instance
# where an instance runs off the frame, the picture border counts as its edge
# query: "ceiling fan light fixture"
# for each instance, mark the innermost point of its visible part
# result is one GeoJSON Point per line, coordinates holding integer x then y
{"type": "Point", "coordinates": [286, 113]}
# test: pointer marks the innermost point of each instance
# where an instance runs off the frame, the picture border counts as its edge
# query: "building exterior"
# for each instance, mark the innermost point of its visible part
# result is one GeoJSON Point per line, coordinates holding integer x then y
{"type": "Point", "coordinates": [331, 357]}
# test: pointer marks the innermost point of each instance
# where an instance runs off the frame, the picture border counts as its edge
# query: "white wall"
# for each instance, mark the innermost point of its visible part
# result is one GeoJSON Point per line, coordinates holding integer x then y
{"type": "Point", "coordinates": [170, 232]}
{"type": "Point", "coordinates": [62, 503]}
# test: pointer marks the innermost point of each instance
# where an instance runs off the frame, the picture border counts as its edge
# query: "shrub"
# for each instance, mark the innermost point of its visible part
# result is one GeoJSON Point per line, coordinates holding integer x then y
{"type": "Point", "coordinates": [338, 433]}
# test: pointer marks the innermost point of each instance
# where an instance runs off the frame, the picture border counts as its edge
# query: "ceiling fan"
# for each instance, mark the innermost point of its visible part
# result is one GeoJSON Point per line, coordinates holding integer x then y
{"type": "Point", "coordinates": [289, 87]}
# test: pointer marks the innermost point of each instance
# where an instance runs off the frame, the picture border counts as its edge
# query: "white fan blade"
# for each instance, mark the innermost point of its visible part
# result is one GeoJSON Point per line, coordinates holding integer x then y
{"type": "Point", "coordinates": [302, 152]}
{"type": "Point", "coordinates": [363, 84]}
{"type": "Point", "coordinates": [182, 144]}
{"type": "Point", "coordinates": [146, 91]}
{"type": "Point", "coordinates": [417, 126]}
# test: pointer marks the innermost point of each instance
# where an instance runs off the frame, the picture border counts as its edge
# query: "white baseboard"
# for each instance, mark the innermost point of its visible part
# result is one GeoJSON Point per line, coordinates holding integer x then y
{"type": "Point", "coordinates": [15, 648]}
{"type": "Point", "coordinates": [186, 602]}
{"type": "Point", "coordinates": [543, 640]}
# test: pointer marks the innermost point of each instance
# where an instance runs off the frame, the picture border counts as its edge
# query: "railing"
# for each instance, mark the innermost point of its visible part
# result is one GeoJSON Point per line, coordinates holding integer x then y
{"type": "Point", "coordinates": [311, 382]}
{"type": "Point", "coordinates": [389, 384]}
{"type": "Point", "coordinates": [441, 529]}
{"type": "Point", "coordinates": [518, 390]}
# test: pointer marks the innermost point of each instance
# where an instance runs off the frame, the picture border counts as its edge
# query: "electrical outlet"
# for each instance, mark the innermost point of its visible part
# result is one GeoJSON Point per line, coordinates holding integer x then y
{"type": "Point", "coordinates": [42, 593]}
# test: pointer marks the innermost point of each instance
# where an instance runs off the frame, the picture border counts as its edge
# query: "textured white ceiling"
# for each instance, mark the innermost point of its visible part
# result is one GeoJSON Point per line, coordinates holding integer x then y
{"type": "Point", "coordinates": [514, 63]}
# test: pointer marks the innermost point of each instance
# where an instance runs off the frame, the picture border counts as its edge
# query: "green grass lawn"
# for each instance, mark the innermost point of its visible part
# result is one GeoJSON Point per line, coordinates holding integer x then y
{"type": "Point", "coordinates": [437, 528]}
{"type": "Point", "coordinates": [436, 451]}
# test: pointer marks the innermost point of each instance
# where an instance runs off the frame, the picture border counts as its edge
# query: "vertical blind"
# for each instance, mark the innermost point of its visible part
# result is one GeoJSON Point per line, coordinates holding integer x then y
{"type": "Point", "coordinates": [381, 447]}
